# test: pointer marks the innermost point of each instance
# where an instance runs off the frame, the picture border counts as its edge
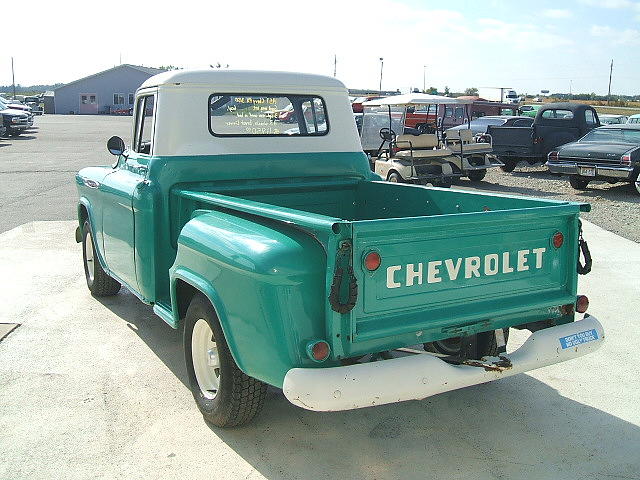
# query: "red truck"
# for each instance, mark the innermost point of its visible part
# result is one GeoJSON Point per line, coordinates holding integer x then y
{"type": "Point", "coordinates": [453, 115]}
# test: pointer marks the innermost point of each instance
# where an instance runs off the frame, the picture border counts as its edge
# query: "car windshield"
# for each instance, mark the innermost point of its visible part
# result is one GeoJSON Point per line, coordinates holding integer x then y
{"type": "Point", "coordinates": [612, 135]}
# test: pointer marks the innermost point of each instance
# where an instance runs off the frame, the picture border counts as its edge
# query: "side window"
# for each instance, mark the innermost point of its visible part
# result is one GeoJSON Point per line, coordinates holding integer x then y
{"type": "Point", "coordinates": [459, 112]}
{"type": "Point", "coordinates": [314, 116]}
{"type": "Point", "coordinates": [448, 112]}
{"type": "Point", "coordinates": [590, 118]}
{"type": "Point", "coordinates": [143, 138]}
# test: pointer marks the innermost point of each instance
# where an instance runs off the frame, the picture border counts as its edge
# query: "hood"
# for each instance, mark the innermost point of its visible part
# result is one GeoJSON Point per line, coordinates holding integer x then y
{"type": "Point", "coordinates": [602, 151]}
{"type": "Point", "coordinates": [12, 112]}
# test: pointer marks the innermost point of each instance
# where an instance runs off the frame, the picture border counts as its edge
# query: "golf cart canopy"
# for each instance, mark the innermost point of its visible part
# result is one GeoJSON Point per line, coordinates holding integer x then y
{"type": "Point", "coordinates": [415, 99]}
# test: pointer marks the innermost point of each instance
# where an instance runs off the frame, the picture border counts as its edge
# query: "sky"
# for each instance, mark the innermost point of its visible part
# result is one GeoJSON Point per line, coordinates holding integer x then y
{"type": "Point", "coordinates": [528, 45]}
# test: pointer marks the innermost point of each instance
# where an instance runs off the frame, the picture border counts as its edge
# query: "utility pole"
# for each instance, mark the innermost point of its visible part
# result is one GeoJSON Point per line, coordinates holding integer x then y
{"type": "Point", "coordinates": [610, 74]}
{"type": "Point", "coordinates": [13, 79]}
{"type": "Point", "coordinates": [570, 85]}
{"type": "Point", "coordinates": [424, 77]}
{"type": "Point", "coordinates": [381, 65]}
{"type": "Point", "coordinates": [335, 63]}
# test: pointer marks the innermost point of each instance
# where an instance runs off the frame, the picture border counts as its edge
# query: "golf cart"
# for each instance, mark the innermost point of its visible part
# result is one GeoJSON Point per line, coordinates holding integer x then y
{"type": "Point", "coordinates": [426, 153]}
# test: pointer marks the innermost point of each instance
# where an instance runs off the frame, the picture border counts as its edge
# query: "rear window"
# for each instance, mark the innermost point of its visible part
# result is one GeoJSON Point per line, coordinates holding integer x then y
{"type": "Point", "coordinates": [267, 115]}
{"type": "Point", "coordinates": [613, 135]}
{"type": "Point", "coordinates": [557, 114]}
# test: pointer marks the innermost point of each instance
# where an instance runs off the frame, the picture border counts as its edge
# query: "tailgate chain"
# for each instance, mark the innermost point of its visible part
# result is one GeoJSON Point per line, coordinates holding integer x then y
{"type": "Point", "coordinates": [343, 256]}
{"type": "Point", "coordinates": [584, 248]}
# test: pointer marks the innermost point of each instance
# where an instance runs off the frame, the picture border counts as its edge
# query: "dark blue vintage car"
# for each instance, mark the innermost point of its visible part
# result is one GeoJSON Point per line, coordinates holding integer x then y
{"type": "Point", "coordinates": [610, 153]}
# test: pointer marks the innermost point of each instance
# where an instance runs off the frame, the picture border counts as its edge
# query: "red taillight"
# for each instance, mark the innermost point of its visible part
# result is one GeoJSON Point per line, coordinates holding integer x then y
{"type": "Point", "coordinates": [582, 303]}
{"type": "Point", "coordinates": [372, 261]}
{"type": "Point", "coordinates": [625, 159]}
{"type": "Point", "coordinates": [553, 156]}
{"type": "Point", "coordinates": [557, 240]}
{"type": "Point", "coordinates": [318, 351]}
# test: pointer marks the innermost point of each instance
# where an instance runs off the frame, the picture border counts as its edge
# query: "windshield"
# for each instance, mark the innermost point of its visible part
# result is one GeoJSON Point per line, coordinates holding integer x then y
{"type": "Point", "coordinates": [377, 118]}
{"type": "Point", "coordinates": [612, 135]}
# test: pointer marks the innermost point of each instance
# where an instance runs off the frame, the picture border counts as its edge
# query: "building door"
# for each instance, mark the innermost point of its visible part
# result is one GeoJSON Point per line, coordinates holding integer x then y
{"type": "Point", "coordinates": [88, 103]}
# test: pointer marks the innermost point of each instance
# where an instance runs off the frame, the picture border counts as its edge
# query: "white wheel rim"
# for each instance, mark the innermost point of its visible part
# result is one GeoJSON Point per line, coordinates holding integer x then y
{"type": "Point", "coordinates": [90, 261]}
{"type": "Point", "coordinates": [206, 361]}
{"type": "Point", "coordinates": [637, 184]}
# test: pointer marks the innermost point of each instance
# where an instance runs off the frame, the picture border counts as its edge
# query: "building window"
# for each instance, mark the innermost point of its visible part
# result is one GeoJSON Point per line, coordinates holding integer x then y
{"type": "Point", "coordinates": [131, 98]}
{"type": "Point", "coordinates": [118, 99]}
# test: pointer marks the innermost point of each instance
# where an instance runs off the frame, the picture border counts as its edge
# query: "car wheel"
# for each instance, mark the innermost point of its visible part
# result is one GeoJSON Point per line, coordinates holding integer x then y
{"type": "Point", "coordinates": [509, 166]}
{"type": "Point", "coordinates": [636, 183]}
{"type": "Point", "coordinates": [394, 177]}
{"type": "Point", "coordinates": [487, 347]}
{"type": "Point", "coordinates": [225, 395]}
{"type": "Point", "coordinates": [477, 175]}
{"type": "Point", "coordinates": [578, 183]}
{"type": "Point", "coordinates": [99, 283]}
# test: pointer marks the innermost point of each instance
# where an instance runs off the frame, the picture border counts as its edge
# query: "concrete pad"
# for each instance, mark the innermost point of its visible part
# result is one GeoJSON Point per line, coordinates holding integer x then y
{"type": "Point", "coordinates": [97, 389]}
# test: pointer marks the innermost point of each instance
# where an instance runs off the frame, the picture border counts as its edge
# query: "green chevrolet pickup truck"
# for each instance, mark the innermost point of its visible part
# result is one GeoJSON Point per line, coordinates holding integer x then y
{"type": "Point", "coordinates": [287, 262]}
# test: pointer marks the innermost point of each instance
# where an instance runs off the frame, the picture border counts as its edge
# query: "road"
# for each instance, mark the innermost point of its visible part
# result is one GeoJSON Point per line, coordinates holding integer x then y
{"type": "Point", "coordinates": [37, 168]}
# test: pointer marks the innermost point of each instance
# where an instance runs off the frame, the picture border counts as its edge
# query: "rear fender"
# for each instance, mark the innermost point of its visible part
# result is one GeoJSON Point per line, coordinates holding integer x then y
{"type": "Point", "coordinates": [266, 281]}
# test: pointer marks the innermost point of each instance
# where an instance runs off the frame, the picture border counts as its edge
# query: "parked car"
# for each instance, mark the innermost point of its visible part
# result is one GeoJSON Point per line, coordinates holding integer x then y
{"type": "Point", "coordinates": [634, 118]}
{"type": "Point", "coordinates": [285, 261]}
{"type": "Point", "coordinates": [15, 121]}
{"type": "Point", "coordinates": [555, 124]}
{"type": "Point", "coordinates": [480, 125]}
{"type": "Point", "coordinates": [610, 153]}
{"type": "Point", "coordinates": [17, 105]}
{"type": "Point", "coordinates": [3, 128]}
{"type": "Point", "coordinates": [529, 110]}
{"type": "Point", "coordinates": [608, 119]}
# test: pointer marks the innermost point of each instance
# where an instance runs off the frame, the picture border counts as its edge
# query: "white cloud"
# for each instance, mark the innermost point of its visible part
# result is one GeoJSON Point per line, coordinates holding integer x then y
{"type": "Point", "coordinates": [628, 36]}
{"type": "Point", "coordinates": [557, 13]}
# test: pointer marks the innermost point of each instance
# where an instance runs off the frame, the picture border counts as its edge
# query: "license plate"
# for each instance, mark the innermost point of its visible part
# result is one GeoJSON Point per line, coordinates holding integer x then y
{"type": "Point", "coordinates": [587, 171]}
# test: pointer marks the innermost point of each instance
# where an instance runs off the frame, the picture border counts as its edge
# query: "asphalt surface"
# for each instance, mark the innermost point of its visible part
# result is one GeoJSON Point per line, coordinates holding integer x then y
{"type": "Point", "coordinates": [37, 169]}
{"type": "Point", "coordinates": [37, 176]}
{"type": "Point", "coordinates": [97, 389]}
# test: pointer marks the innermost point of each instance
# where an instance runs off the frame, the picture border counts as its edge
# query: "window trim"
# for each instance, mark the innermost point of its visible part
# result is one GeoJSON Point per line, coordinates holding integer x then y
{"type": "Point", "coordinates": [139, 120]}
{"type": "Point", "coordinates": [270, 135]}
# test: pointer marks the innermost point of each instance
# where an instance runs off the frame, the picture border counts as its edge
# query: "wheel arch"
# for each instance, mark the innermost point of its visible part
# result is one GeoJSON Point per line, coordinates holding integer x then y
{"type": "Point", "coordinates": [85, 213]}
{"type": "Point", "coordinates": [186, 284]}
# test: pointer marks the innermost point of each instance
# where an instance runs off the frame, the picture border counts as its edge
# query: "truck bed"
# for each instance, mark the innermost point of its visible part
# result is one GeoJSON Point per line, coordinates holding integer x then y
{"type": "Point", "coordinates": [453, 262]}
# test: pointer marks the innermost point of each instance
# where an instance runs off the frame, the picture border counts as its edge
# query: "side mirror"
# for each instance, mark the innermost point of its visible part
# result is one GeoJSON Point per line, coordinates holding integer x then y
{"type": "Point", "coordinates": [115, 145]}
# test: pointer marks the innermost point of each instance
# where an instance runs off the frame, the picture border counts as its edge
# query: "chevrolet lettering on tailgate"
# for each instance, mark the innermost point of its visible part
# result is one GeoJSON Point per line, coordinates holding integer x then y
{"type": "Point", "coordinates": [453, 268]}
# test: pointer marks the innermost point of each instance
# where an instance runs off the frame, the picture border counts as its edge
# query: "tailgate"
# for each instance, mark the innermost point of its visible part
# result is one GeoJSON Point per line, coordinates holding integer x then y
{"type": "Point", "coordinates": [511, 140]}
{"type": "Point", "coordinates": [443, 271]}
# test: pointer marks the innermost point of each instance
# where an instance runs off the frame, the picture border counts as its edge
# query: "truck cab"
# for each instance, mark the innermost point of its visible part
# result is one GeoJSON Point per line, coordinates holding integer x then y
{"type": "Point", "coordinates": [287, 262]}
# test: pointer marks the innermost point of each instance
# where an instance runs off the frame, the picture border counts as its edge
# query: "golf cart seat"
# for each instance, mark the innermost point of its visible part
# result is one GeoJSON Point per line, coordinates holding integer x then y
{"type": "Point", "coordinates": [463, 138]}
{"type": "Point", "coordinates": [420, 146]}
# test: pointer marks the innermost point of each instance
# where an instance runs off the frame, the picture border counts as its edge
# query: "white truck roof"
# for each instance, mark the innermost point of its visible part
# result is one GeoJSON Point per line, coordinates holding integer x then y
{"type": "Point", "coordinates": [183, 98]}
{"type": "Point", "coordinates": [284, 81]}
